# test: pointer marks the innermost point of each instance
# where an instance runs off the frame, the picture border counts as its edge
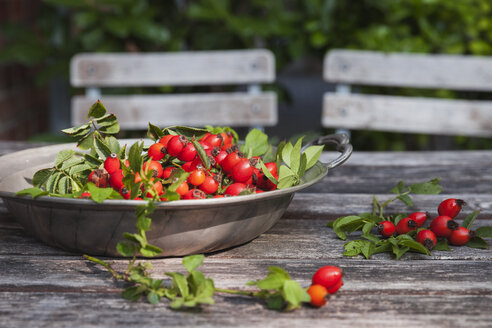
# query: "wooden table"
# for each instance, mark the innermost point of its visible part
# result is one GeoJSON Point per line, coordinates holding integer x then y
{"type": "Point", "coordinates": [41, 286]}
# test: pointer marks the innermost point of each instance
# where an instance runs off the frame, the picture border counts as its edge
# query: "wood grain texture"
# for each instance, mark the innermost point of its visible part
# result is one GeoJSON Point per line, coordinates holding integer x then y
{"type": "Point", "coordinates": [456, 72]}
{"type": "Point", "coordinates": [407, 114]}
{"type": "Point", "coordinates": [180, 68]}
{"type": "Point", "coordinates": [228, 109]}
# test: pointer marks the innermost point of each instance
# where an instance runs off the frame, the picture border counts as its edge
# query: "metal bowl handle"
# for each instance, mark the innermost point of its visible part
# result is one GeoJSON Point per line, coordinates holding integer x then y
{"type": "Point", "coordinates": [342, 143]}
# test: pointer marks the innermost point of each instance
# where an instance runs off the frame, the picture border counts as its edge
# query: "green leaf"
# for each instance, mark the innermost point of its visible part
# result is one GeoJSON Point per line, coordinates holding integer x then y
{"type": "Point", "coordinates": [276, 302]}
{"type": "Point", "coordinates": [295, 156]}
{"type": "Point", "coordinates": [286, 178]}
{"type": "Point", "coordinates": [267, 173]}
{"type": "Point", "coordinates": [33, 192]}
{"type": "Point", "coordinates": [294, 294]}
{"type": "Point", "coordinates": [135, 156]}
{"type": "Point", "coordinates": [101, 148]}
{"type": "Point", "coordinates": [63, 185]}
{"type": "Point", "coordinates": [41, 176]}
{"type": "Point", "coordinates": [255, 143]}
{"type": "Point", "coordinates": [87, 141]}
{"type": "Point", "coordinates": [399, 188]}
{"type": "Point", "coordinates": [414, 246]}
{"type": "Point", "coordinates": [78, 131]}
{"type": "Point", "coordinates": [470, 218]}
{"type": "Point", "coordinates": [113, 144]}
{"type": "Point", "coordinates": [302, 166]}
{"type": "Point", "coordinates": [92, 160]}
{"type": "Point", "coordinates": [97, 110]}
{"type": "Point", "coordinates": [153, 297]}
{"type": "Point", "coordinates": [53, 182]}
{"type": "Point", "coordinates": [126, 248]}
{"type": "Point", "coordinates": [367, 227]}
{"type": "Point", "coordinates": [62, 156]}
{"type": "Point", "coordinates": [143, 223]}
{"type": "Point", "coordinates": [371, 237]}
{"type": "Point", "coordinates": [99, 194]}
{"type": "Point", "coordinates": [285, 154]}
{"type": "Point", "coordinates": [428, 188]}
{"type": "Point", "coordinates": [312, 155]}
{"type": "Point", "coordinates": [202, 154]}
{"type": "Point", "coordinates": [154, 132]}
{"type": "Point", "coordinates": [205, 292]}
{"type": "Point", "coordinates": [406, 199]}
{"type": "Point", "coordinates": [180, 283]}
{"type": "Point", "coordinates": [383, 247]}
{"type": "Point", "coordinates": [399, 252]}
{"type": "Point", "coordinates": [73, 161]}
{"type": "Point", "coordinates": [477, 242]}
{"type": "Point", "coordinates": [367, 248]}
{"type": "Point", "coordinates": [442, 245]}
{"type": "Point", "coordinates": [484, 232]}
{"type": "Point", "coordinates": [192, 262]}
{"type": "Point", "coordinates": [150, 250]}
{"type": "Point", "coordinates": [134, 293]}
{"type": "Point", "coordinates": [353, 248]}
{"type": "Point", "coordinates": [190, 132]}
{"type": "Point", "coordinates": [346, 223]}
{"type": "Point", "coordinates": [178, 176]}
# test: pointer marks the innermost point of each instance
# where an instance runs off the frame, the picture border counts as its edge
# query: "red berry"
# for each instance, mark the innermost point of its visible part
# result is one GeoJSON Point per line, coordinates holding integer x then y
{"type": "Point", "coordinates": [197, 177]}
{"type": "Point", "coordinates": [188, 153]}
{"type": "Point", "coordinates": [157, 151]}
{"type": "Point", "coordinates": [214, 140]}
{"type": "Point", "coordinates": [242, 171]}
{"type": "Point", "coordinates": [176, 145]}
{"type": "Point", "coordinates": [386, 228]}
{"type": "Point", "coordinates": [157, 188]}
{"type": "Point", "coordinates": [182, 189]}
{"type": "Point", "coordinates": [194, 194]}
{"type": "Point", "coordinates": [327, 276]}
{"type": "Point", "coordinates": [419, 217]}
{"type": "Point", "coordinates": [165, 140]}
{"type": "Point", "coordinates": [219, 155]}
{"type": "Point", "coordinates": [318, 295]}
{"type": "Point", "coordinates": [125, 193]}
{"type": "Point", "coordinates": [210, 185]}
{"type": "Point", "coordinates": [230, 161]}
{"type": "Point", "coordinates": [335, 288]}
{"type": "Point", "coordinates": [235, 189]}
{"type": "Point", "coordinates": [450, 207]}
{"type": "Point", "coordinates": [460, 236]}
{"type": "Point", "coordinates": [99, 177]}
{"type": "Point", "coordinates": [405, 225]}
{"type": "Point", "coordinates": [427, 238]}
{"type": "Point", "coordinates": [112, 163]}
{"type": "Point", "coordinates": [116, 179]}
{"type": "Point", "coordinates": [155, 167]}
{"type": "Point", "coordinates": [167, 172]}
{"type": "Point", "coordinates": [443, 226]}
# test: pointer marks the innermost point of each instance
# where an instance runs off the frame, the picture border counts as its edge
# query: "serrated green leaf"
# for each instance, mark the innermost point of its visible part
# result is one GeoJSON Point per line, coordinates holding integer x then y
{"type": "Point", "coordinates": [255, 143]}
{"type": "Point", "coordinates": [78, 131]}
{"type": "Point", "coordinates": [427, 188]}
{"type": "Point", "coordinates": [286, 151]}
{"type": "Point", "coordinates": [101, 148]}
{"type": "Point", "coordinates": [96, 110]}
{"type": "Point", "coordinates": [442, 245]}
{"type": "Point", "coordinates": [52, 182]}
{"type": "Point", "coordinates": [312, 155]}
{"type": "Point", "coordinates": [150, 250]}
{"type": "Point", "coordinates": [406, 200]}
{"type": "Point", "coordinates": [154, 132]}
{"type": "Point", "coordinates": [371, 237]}
{"type": "Point", "coordinates": [276, 302]}
{"type": "Point", "coordinates": [352, 248]}
{"type": "Point", "coordinates": [399, 251]}
{"type": "Point", "coordinates": [33, 192]}
{"type": "Point", "coordinates": [294, 294]}
{"type": "Point", "coordinates": [367, 227]}
{"type": "Point", "coordinates": [41, 176]}
{"type": "Point", "coordinates": [126, 248]}
{"type": "Point", "coordinates": [73, 161]}
{"type": "Point", "coordinates": [382, 247]}
{"type": "Point", "coordinates": [113, 144]}
{"type": "Point", "coordinates": [414, 246]}
{"type": "Point", "coordinates": [134, 293]}
{"type": "Point", "coordinates": [135, 156]}
{"type": "Point", "coordinates": [189, 132]}
{"type": "Point", "coordinates": [484, 232]}
{"type": "Point", "coordinates": [192, 262]}
{"type": "Point", "coordinates": [470, 218]}
{"type": "Point", "coordinates": [62, 156]}
{"type": "Point", "coordinates": [63, 185]}
{"type": "Point", "coordinates": [80, 168]}
{"type": "Point", "coordinates": [302, 166]}
{"type": "Point", "coordinates": [87, 141]}
{"type": "Point", "coordinates": [93, 160]}
{"type": "Point", "coordinates": [143, 223]}
{"type": "Point", "coordinates": [153, 297]}
{"type": "Point", "coordinates": [477, 242]}
{"type": "Point", "coordinates": [346, 223]}
{"type": "Point", "coordinates": [367, 248]}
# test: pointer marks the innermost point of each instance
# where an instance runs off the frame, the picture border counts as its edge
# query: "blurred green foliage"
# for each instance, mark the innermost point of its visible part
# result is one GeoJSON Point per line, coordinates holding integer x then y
{"type": "Point", "coordinates": [290, 28]}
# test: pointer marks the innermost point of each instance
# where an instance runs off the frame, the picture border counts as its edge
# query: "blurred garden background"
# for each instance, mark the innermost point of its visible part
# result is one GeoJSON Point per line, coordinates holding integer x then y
{"type": "Point", "coordinates": [39, 37]}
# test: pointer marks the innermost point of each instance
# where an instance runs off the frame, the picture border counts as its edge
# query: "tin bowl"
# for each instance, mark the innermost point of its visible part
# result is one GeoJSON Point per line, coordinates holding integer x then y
{"type": "Point", "coordinates": [179, 228]}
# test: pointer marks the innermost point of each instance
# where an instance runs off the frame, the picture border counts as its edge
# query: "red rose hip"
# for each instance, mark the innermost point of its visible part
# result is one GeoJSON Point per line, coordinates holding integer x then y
{"type": "Point", "coordinates": [443, 226]}
{"type": "Point", "coordinates": [450, 207]}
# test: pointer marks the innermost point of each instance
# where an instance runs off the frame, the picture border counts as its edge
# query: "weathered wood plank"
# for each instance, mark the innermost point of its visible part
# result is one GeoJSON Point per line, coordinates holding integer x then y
{"type": "Point", "coordinates": [407, 114]}
{"type": "Point", "coordinates": [230, 109]}
{"type": "Point", "coordinates": [180, 68]}
{"type": "Point", "coordinates": [408, 70]}
{"type": "Point", "coordinates": [346, 309]}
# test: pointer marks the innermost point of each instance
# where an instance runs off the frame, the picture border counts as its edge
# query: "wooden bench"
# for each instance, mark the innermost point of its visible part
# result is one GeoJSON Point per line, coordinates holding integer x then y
{"type": "Point", "coordinates": [249, 68]}
{"type": "Point", "coordinates": [344, 109]}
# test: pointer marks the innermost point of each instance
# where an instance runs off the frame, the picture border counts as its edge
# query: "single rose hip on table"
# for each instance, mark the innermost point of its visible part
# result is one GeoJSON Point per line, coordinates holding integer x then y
{"type": "Point", "coordinates": [329, 277]}
{"type": "Point", "coordinates": [450, 207]}
{"type": "Point", "coordinates": [443, 226]}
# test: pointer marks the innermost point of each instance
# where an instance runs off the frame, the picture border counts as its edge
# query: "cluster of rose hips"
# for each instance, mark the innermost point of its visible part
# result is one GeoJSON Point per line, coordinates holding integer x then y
{"type": "Point", "coordinates": [443, 226]}
{"type": "Point", "coordinates": [326, 281]}
{"type": "Point", "coordinates": [230, 172]}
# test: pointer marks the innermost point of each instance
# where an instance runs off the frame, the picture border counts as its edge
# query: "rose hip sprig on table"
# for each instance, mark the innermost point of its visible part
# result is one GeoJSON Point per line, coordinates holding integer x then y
{"type": "Point", "coordinates": [402, 233]}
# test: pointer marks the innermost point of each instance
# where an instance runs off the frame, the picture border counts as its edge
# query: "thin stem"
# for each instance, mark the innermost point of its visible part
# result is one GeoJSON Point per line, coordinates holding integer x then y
{"type": "Point", "coordinates": [237, 292]}
{"type": "Point", "coordinates": [130, 265]}
{"type": "Point", "coordinates": [104, 264]}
